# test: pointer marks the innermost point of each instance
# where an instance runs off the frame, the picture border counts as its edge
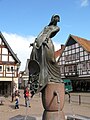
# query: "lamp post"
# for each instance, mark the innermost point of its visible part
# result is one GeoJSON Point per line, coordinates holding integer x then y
{"type": "Point", "coordinates": [12, 87]}
{"type": "Point", "coordinates": [12, 84]}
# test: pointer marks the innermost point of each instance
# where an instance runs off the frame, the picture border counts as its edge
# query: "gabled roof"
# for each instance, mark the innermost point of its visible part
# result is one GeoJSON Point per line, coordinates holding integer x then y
{"type": "Point", "coordinates": [57, 53]}
{"type": "Point", "coordinates": [9, 48]}
{"type": "Point", "coordinates": [82, 41]}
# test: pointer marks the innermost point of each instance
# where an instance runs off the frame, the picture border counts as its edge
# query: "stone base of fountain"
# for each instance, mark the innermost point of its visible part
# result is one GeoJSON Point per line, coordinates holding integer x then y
{"type": "Point", "coordinates": [53, 115]}
{"type": "Point", "coordinates": [76, 117]}
{"type": "Point", "coordinates": [50, 101]}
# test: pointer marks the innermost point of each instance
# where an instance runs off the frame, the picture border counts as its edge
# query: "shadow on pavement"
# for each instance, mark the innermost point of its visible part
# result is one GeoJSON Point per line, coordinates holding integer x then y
{"type": "Point", "coordinates": [22, 105]}
{"type": "Point", "coordinates": [12, 106]}
{"type": "Point", "coordinates": [20, 117]}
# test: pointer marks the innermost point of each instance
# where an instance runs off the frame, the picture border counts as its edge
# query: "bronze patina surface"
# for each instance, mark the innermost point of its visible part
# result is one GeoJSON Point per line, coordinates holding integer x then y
{"type": "Point", "coordinates": [45, 68]}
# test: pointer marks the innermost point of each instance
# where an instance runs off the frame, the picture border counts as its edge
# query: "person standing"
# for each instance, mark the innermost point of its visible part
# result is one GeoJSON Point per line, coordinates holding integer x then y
{"type": "Point", "coordinates": [27, 96]}
{"type": "Point", "coordinates": [17, 99]}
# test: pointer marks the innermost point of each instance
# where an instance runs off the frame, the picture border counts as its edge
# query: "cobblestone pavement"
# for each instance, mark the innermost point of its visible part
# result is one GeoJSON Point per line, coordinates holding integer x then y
{"type": "Point", "coordinates": [79, 104]}
{"type": "Point", "coordinates": [7, 111]}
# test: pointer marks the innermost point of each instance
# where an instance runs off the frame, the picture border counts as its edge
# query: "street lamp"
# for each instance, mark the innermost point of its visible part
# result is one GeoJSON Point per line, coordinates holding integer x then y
{"type": "Point", "coordinates": [12, 86]}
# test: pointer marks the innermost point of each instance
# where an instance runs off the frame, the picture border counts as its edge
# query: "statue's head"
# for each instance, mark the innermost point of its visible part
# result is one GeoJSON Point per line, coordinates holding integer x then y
{"type": "Point", "coordinates": [55, 18]}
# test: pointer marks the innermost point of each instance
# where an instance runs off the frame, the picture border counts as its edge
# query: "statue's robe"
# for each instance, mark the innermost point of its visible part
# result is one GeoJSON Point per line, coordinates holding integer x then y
{"type": "Point", "coordinates": [44, 54]}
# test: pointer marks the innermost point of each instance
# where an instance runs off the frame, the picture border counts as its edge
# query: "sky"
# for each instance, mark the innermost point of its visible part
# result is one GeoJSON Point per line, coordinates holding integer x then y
{"type": "Point", "coordinates": [22, 20]}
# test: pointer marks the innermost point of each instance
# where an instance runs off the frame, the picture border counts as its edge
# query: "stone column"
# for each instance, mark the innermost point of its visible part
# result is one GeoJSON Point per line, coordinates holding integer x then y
{"type": "Point", "coordinates": [51, 101]}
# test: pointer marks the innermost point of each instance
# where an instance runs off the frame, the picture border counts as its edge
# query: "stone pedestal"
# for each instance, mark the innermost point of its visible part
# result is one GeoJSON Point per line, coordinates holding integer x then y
{"type": "Point", "coordinates": [53, 115]}
{"type": "Point", "coordinates": [50, 101]}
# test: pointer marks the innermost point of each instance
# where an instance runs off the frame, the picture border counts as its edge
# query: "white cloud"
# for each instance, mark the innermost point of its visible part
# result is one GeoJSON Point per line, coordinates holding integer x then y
{"type": "Point", "coordinates": [57, 45]}
{"type": "Point", "coordinates": [84, 3]}
{"type": "Point", "coordinates": [20, 46]}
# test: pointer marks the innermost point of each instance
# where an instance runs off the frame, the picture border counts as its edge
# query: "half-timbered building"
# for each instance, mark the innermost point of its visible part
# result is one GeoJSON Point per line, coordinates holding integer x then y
{"type": "Point", "coordinates": [74, 62]}
{"type": "Point", "coordinates": [9, 66]}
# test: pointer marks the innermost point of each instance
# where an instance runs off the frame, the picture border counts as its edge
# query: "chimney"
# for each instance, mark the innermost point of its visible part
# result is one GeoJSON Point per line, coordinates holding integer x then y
{"type": "Point", "coordinates": [62, 46]}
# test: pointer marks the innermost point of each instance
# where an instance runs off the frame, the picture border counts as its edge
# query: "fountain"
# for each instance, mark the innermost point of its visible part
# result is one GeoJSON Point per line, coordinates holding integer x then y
{"type": "Point", "coordinates": [44, 77]}
{"type": "Point", "coordinates": [44, 73]}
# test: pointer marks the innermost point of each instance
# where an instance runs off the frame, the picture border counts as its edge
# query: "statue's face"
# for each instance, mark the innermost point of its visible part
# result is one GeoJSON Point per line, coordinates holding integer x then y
{"type": "Point", "coordinates": [57, 19]}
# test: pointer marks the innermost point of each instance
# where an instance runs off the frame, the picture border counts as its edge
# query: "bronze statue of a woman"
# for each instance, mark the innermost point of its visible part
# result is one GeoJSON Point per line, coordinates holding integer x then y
{"type": "Point", "coordinates": [43, 67]}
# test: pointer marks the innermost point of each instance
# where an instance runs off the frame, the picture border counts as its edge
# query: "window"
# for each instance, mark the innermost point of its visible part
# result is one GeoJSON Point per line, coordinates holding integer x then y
{"type": "Point", "coordinates": [84, 66]}
{"type": "Point", "coordinates": [4, 58]}
{"type": "Point", "coordinates": [62, 58]}
{"type": "Point", "coordinates": [81, 53]}
{"type": "Point", "coordinates": [89, 56]}
{"type": "Point", "coordinates": [77, 49]}
{"type": "Point", "coordinates": [8, 69]}
{"type": "Point", "coordinates": [85, 53]}
{"type": "Point", "coordinates": [88, 65]}
{"type": "Point", "coordinates": [77, 55]}
{"type": "Point", "coordinates": [11, 59]}
{"type": "Point", "coordinates": [0, 68]}
{"type": "Point", "coordinates": [70, 68]}
{"type": "Point", "coordinates": [70, 57]}
{"type": "Point", "coordinates": [66, 53]}
{"type": "Point", "coordinates": [4, 51]}
{"type": "Point", "coordinates": [81, 58]}
{"type": "Point", "coordinates": [73, 56]}
{"type": "Point", "coordinates": [73, 51]}
{"type": "Point", "coordinates": [12, 69]}
{"type": "Point", "coordinates": [74, 68]}
{"type": "Point", "coordinates": [70, 52]}
{"type": "Point", "coordinates": [77, 45]}
{"type": "Point", "coordinates": [73, 46]}
{"type": "Point", "coordinates": [86, 57]}
{"type": "Point", "coordinates": [69, 47]}
{"type": "Point", "coordinates": [62, 69]}
{"type": "Point", "coordinates": [66, 58]}
{"type": "Point", "coordinates": [78, 66]}
{"type": "Point", "coordinates": [66, 69]}
{"type": "Point", "coordinates": [63, 62]}
{"type": "Point", "coordinates": [81, 49]}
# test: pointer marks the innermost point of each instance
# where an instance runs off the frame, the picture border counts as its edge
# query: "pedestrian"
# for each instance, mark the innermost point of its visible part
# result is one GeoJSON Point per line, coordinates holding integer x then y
{"type": "Point", "coordinates": [27, 96]}
{"type": "Point", "coordinates": [17, 99]}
